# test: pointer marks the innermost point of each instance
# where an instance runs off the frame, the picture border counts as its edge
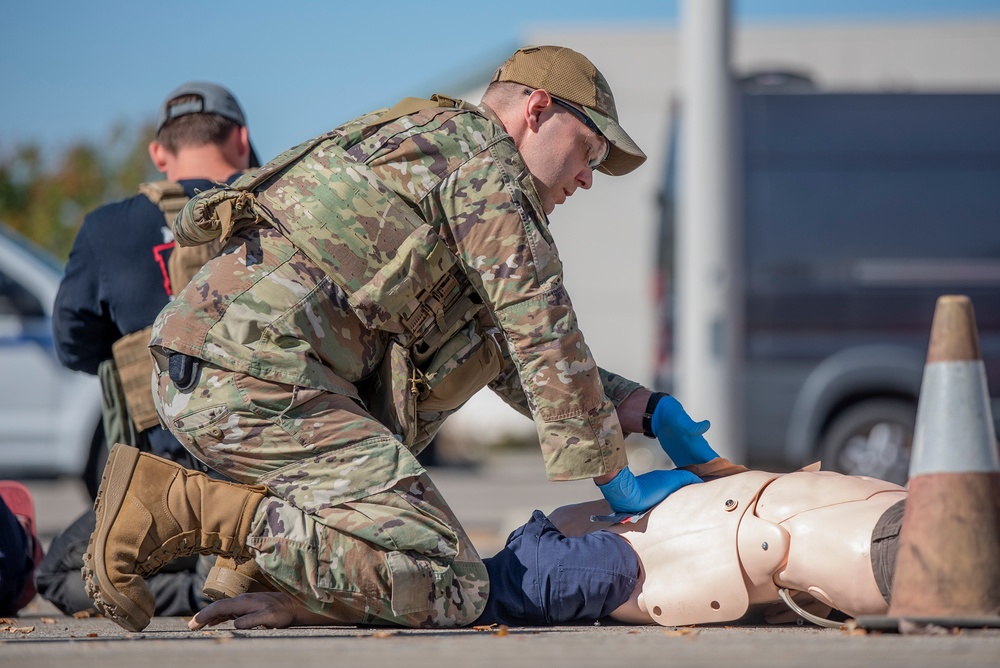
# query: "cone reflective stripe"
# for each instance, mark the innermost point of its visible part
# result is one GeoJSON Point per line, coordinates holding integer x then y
{"type": "Point", "coordinates": [947, 568]}
{"type": "Point", "coordinates": [954, 429]}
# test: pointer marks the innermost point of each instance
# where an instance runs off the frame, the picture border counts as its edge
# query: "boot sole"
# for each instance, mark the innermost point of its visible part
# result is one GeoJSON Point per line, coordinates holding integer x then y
{"type": "Point", "coordinates": [110, 498]}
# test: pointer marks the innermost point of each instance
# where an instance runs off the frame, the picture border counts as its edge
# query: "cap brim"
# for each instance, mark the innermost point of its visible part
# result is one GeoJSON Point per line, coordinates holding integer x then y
{"type": "Point", "coordinates": [254, 158]}
{"type": "Point", "coordinates": [625, 154]}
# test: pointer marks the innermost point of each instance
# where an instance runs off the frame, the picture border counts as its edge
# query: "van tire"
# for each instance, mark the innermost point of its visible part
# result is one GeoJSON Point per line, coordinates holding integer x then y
{"type": "Point", "coordinates": [872, 438]}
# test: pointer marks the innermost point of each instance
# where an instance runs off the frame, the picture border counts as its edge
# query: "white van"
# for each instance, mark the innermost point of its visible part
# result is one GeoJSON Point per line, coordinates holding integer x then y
{"type": "Point", "coordinates": [50, 417]}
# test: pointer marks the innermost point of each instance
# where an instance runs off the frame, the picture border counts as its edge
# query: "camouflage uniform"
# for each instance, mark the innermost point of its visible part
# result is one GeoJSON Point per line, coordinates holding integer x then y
{"type": "Point", "coordinates": [291, 338]}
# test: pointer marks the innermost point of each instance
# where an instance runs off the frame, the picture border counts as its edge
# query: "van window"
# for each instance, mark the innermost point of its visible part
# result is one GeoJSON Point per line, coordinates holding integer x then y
{"type": "Point", "coordinates": [836, 201]}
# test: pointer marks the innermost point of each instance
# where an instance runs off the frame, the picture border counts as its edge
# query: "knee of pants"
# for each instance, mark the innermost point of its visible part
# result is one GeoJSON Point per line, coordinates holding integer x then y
{"type": "Point", "coordinates": [545, 577]}
{"type": "Point", "coordinates": [450, 595]}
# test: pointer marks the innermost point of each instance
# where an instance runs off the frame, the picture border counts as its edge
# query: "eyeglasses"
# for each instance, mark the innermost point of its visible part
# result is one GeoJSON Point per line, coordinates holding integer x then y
{"type": "Point", "coordinates": [583, 118]}
{"type": "Point", "coordinates": [594, 163]}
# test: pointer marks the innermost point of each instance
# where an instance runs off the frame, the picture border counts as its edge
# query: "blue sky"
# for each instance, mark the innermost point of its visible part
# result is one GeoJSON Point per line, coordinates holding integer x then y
{"type": "Point", "coordinates": [72, 70]}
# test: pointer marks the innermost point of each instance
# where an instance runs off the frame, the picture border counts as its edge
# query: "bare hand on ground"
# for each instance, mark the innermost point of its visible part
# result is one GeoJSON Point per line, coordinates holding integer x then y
{"type": "Point", "coordinates": [272, 610]}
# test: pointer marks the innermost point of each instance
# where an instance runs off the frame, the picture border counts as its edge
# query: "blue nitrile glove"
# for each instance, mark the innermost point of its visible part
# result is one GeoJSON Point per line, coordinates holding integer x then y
{"type": "Point", "coordinates": [628, 493]}
{"type": "Point", "coordinates": [680, 436]}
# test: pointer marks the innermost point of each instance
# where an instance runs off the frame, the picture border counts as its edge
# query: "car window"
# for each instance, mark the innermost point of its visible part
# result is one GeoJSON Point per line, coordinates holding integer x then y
{"type": "Point", "coordinates": [17, 301]}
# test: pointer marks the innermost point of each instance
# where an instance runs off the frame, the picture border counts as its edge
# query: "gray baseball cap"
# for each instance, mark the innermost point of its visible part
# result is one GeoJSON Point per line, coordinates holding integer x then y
{"type": "Point", "coordinates": [213, 99]}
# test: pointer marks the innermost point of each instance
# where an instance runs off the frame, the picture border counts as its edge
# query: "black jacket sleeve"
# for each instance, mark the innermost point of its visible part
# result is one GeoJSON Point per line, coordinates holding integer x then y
{"type": "Point", "coordinates": [82, 326]}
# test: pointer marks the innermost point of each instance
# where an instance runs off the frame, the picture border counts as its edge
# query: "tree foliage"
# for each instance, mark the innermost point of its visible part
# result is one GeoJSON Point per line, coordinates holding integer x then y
{"type": "Point", "coordinates": [45, 197]}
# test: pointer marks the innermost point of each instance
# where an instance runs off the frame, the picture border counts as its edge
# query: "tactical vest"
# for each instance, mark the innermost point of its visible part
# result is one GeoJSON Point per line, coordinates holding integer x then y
{"type": "Point", "coordinates": [185, 261]}
{"type": "Point", "coordinates": [131, 355]}
{"type": "Point", "coordinates": [399, 275]}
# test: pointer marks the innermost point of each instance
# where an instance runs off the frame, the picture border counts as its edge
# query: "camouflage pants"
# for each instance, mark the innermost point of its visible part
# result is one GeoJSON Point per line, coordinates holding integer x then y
{"type": "Point", "coordinates": [353, 526]}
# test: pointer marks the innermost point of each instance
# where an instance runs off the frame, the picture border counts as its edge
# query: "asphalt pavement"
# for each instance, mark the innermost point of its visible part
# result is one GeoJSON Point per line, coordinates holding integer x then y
{"type": "Point", "coordinates": [491, 500]}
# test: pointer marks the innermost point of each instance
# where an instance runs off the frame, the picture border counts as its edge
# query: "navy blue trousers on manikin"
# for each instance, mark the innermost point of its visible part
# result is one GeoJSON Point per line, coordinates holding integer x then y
{"type": "Point", "coordinates": [542, 577]}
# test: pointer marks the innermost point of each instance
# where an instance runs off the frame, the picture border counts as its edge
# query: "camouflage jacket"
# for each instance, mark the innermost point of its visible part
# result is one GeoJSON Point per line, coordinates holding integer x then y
{"type": "Point", "coordinates": [263, 307]}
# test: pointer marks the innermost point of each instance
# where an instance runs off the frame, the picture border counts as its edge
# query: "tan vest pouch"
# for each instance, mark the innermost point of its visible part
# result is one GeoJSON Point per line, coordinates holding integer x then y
{"type": "Point", "coordinates": [135, 369]}
{"type": "Point", "coordinates": [398, 390]}
{"type": "Point", "coordinates": [185, 261]}
{"type": "Point", "coordinates": [462, 367]}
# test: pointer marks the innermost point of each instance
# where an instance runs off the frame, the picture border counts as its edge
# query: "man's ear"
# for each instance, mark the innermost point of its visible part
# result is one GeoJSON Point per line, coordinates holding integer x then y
{"type": "Point", "coordinates": [159, 155]}
{"type": "Point", "coordinates": [244, 143]}
{"type": "Point", "coordinates": [537, 108]}
{"type": "Point", "coordinates": [236, 148]}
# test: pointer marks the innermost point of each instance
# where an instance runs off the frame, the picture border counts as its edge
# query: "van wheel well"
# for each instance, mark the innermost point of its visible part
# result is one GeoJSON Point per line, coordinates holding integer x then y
{"type": "Point", "coordinates": [871, 437]}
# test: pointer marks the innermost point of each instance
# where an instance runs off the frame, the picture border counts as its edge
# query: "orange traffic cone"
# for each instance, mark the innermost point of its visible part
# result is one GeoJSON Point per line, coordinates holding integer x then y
{"type": "Point", "coordinates": [947, 569]}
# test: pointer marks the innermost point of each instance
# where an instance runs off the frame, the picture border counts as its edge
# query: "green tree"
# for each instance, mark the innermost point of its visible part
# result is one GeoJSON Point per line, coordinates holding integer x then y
{"type": "Point", "coordinates": [46, 198]}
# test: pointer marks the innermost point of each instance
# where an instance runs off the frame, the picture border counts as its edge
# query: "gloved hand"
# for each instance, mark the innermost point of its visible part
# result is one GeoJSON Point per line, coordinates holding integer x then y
{"type": "Point", "coordinates": [680, 436]}
{"type": "Point", "coordinates": [628, 493]}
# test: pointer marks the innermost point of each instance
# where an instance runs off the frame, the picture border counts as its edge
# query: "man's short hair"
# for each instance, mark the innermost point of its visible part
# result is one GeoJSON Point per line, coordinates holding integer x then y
{"type": "Point", "coordinates": [193, 129]}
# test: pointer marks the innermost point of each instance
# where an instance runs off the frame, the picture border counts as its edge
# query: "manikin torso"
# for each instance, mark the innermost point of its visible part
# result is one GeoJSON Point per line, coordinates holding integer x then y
{"type": "Point", "coordinates": [710, 551]}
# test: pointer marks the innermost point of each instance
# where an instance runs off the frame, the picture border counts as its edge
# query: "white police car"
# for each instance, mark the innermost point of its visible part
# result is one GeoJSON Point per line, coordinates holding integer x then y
{"type": "Point", "coordinates": [50, 417]}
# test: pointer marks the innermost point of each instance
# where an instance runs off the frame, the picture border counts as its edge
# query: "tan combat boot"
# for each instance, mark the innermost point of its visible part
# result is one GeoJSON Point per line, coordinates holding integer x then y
{"type": "Point", "coordinates": [149, 512]}
{"type": "Point", "coordinates": [228, 579]}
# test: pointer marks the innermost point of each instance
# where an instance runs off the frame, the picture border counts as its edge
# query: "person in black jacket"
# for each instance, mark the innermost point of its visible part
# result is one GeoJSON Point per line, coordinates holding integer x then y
{"type": "Point", "coordinates": [117, 281]}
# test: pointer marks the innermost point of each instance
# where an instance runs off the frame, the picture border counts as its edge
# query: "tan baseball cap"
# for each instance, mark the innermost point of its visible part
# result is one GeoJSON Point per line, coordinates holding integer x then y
{"type": "Point", "coordinates": [568, 75]}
